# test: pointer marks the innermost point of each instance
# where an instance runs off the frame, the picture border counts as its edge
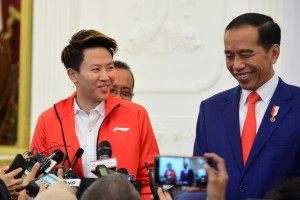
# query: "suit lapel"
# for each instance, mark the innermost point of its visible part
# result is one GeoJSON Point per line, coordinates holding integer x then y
{"type": "Point", "coordinates": [280, 98]}
{"type": "Point", "coordinates": [231, 120]}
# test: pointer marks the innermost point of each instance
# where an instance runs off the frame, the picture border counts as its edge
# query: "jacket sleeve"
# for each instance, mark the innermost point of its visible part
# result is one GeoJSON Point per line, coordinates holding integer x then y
{"type": "Point", "coordinates": [148, 150]}
{"type": "Point", "coordinates": [38, 142]}
{"type": "Point", "coordinates": [200, 146]}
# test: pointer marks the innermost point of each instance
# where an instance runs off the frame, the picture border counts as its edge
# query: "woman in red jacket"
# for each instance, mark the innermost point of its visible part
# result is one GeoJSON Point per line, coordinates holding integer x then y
{"type": "Point", "coordinates": [92, 115]}
{"type": "Point", "coordinates": [170, 175]}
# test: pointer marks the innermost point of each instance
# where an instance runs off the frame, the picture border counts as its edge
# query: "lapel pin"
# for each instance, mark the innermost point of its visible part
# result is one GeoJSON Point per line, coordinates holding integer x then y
{"type": "Point", "coordinates": [274, 112]}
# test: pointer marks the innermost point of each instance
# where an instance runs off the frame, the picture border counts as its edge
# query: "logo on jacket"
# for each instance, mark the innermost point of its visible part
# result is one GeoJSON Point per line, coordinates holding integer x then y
{"type": "Point", "coordinates": [120, 129]}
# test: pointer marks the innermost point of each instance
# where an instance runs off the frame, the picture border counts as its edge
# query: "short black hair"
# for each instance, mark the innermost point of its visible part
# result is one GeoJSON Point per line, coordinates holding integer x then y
{"type": "Point", "coordinates": [123, 65]}
{"type": "Point", "coordinates": [72, 55]}
{"type": "Point", "coordinates": [269, 32]}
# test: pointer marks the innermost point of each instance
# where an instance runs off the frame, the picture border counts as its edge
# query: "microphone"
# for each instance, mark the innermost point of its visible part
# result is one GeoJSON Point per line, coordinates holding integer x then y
{"type": "Point", "coordinates": [78, 155]}
{"type": "Point", "coordinates": [57, 156]}
{"type": "Point", "coordinates": [104, 153]}
{"type": "Point", "coordinates": [70, 173]}
{"type": "Point", "coordinates": [48, 164]}
{"type": "Point", "coordinates": [66, 157]}
{"type": "Point", "coordinates": [104, 150]}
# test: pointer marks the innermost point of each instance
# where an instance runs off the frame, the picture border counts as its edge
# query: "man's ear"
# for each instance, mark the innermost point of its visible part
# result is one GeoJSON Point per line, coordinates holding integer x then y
{"type": "Point", "coordinates": [275, 51]}
{"type": "Point", "coordinates": [72, 75]}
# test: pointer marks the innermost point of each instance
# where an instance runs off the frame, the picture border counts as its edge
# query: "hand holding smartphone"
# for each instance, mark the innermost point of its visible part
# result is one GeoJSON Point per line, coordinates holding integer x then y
{"type": "Point", "coordinates": [18, 162]}
{"type": "Point", "coordinates": [181, 171]}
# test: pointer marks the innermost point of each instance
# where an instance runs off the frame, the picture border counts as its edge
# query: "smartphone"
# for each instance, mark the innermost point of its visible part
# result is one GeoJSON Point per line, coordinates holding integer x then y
{"type": "Point", "coordinates": [32, 189]}
{"type": "Point", "coordinates": [48, 179]}
{"type": "Point", "coordinates": [18, 162]}
{"type": "Point", "coordinates": [180, 170]}
{"type": "Point", "coordinates": [101, 170]}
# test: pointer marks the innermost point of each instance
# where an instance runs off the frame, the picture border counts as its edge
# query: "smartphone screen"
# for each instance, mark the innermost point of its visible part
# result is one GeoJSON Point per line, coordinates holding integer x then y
{"type": "Point", "coordinates": [49, 179]}
{"type": "Point", "coordinates": [18, 162]}
{"type": "Point", "coordinates": [101, 170]}
{"type": "Point", "coordinates": [176, 170]}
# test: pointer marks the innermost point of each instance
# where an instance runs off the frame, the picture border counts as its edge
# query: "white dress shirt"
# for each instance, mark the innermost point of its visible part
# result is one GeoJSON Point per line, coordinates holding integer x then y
{"type": "Point", "coordinates": [87, 127]}
{"type": "Point", "coordinates": [265, 92]}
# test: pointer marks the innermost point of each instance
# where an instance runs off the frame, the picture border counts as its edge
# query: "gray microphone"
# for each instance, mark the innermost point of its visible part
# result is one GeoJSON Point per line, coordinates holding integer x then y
{"type": "Point", "coordinates": [104, 150]}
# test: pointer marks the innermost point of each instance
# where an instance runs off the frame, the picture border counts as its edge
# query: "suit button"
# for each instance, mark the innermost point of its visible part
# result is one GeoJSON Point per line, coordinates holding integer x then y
{"type": "Point", "coordinates": [243, 189]}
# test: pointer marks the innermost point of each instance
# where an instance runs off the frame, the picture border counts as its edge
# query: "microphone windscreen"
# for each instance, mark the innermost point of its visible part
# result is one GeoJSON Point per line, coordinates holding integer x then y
{"type": "Point", "coordinates": [104, 144]}
{"type": "Point", "coordinates": [58, 156]}
{"type": "Point", "coordinates": [79, 152]}
{"type": "Point", "coordinates": [104, 150]}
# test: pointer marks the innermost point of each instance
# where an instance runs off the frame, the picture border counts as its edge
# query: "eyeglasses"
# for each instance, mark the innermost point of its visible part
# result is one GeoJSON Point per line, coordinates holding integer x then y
{"type": "Point", "coordinates": [124, 93]}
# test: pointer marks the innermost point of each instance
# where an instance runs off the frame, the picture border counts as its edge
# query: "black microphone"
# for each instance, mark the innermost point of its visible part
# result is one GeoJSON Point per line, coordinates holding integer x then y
{"type": "Point", "coordinates": [48, 164]}
{"type": "Point", "coordinates": [70, 173]}
{"type": "Point", "coordinates": [78, 155]}
{"type": "Point", "coordinates": [66, 157]}
{"type": "Point", "coordinates": [104, 153]}
{"type": "Point", "coordinates": [104, 150]}
{"type": "Point", "coordinates": [57, 156]}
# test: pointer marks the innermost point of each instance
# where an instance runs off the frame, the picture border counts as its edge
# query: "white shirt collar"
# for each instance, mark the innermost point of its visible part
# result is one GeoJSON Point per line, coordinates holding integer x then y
{"type": "Point", "coordinates": [100, 107]}
{"type": "Point", "coordinates": [265, 91]}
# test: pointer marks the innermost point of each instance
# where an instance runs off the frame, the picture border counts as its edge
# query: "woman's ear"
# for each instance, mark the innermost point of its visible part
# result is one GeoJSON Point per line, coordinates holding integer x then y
{"type": "Point", "coordinates": [72, 75]}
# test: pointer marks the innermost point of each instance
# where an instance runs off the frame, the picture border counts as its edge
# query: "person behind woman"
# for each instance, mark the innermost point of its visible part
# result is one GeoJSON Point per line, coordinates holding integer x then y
{"type": "Point", "coordinates": [124, 82]}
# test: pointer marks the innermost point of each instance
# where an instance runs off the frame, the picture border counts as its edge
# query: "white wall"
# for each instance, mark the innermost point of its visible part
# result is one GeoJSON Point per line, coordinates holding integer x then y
{"type": "Point", "coordinates": [291, 42]}
{"type": "Point", "coordinates": [175, 49]}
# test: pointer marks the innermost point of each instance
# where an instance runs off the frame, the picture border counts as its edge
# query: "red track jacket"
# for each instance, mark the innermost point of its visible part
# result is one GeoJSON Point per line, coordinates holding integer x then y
{"type": "Point", "coordinates": [132, 148]}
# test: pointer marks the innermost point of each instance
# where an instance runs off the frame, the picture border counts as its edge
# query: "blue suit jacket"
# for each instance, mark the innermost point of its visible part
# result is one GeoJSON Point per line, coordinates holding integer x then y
{"type": "Point", "coordinates": [275, 154]}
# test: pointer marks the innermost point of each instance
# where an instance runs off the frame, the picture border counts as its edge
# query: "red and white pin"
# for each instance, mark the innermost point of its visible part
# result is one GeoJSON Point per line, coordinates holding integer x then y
{"type": "Point", "coordinates": [274, 113]}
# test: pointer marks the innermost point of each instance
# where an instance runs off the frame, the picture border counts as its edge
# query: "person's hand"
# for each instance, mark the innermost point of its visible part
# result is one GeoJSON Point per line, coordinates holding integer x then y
{"type": "Point", "coordinates": [163, 195]}
{"type": "Point", "coordinates": [11, 183]}
{"type": "Point", "coordinates": [27, 179]}
{"type": "Point", "coordinates": [3, 170]}
{"type": "Point", "coordinates": [217, 179]}
{"type": "Point", "coordinates": [60, 173]}
{"type": "Point", "coordinates": [194, 189]}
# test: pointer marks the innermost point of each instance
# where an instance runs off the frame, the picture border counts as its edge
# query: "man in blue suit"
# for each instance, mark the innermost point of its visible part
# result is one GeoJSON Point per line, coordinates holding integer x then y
{"type": "Point", "coordinates": [252, 47]}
